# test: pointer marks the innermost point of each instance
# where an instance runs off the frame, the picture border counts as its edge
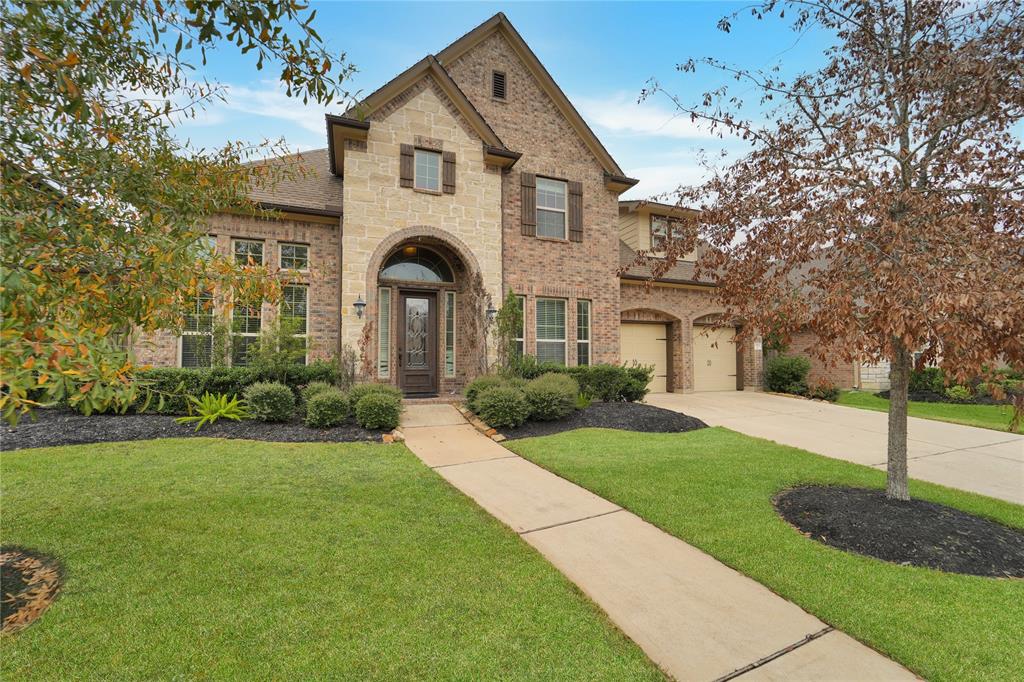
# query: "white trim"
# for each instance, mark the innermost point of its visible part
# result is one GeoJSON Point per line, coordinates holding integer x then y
{"type": "Point", "coordinates": [565, 323]}
{"type": "Point", "coordinates": [261, 242]}
{"type": "Point", "coordinates": [564, 186]}
{"type": "Point", "coordinates": [415, 169]}
{"type": "Point", "coordinates": [589, 328]}
{"type": "Point", "coordinates": [280, 255]}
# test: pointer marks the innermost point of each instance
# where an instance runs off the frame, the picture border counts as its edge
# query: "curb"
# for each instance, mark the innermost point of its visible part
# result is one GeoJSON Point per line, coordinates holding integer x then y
{"type": "Point", "coordinates": [479, 424]}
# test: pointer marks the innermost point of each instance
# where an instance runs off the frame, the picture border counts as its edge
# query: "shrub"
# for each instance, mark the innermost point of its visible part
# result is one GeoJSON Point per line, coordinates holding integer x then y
{"type": "Point", "coordinates": [379, 410]}
{"type": "Point", "coordinates": [478, 386]}
{"type": "Point", "coordinates": [503, 407]}
{"type": "Point", "coordinates": [927, 379]}
{"type": "Point", "coordinates": [551, 396]}
{"type": "Point", "coordinates": [787, 374]}
{"type": "Point", "coordinates": [314, 388]}
{"type": "Point", "coordinates": [824, 391]}
{"type": "Point", "coordinates": [270, 401]}
{"type": "Point", "coordinates": [210, 408]}
{"type": "Point", "coordinates": [328, 407]}
{"type": "Point", "coordinates": [958, 393]}
{"type": "Point", "coordinates": [357, 392]}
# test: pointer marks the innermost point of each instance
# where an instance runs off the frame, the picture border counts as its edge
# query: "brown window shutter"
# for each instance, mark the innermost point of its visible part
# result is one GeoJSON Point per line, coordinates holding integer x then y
{"type": "Point", "coordinates": [529, 200]}
{"type": "Point", "coordinates": [405, 167]}
{"type": "Point", "coordinates": [576, 211]}
{"type": "Point", "coordinates": [448, 174]}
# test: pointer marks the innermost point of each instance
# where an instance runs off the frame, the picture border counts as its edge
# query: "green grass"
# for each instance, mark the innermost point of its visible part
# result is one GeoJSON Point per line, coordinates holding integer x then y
{"type": "Point", "coordinates": [219, 559]}
{"type": "Point", "coordinates": [986, 416]}
{"type": "Point", "coordinates": [713, 488]}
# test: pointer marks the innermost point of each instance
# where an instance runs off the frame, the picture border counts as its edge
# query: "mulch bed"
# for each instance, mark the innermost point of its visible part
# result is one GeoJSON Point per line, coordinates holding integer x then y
{"type": "Point", "coordinates": [933, 397]}
{"type": "Point", "coordinates": [30, 583]}
{"type": "Point", "coordinates": [916, 533]}
{"type": "Point", "coordinates": [62, 427]}
{"type": "Point", "coordinates": [624, 416]}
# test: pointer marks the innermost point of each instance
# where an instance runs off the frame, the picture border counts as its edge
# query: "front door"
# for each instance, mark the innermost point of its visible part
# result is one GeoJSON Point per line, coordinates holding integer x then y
{"type": "Point", "coordinates": [417, 342]}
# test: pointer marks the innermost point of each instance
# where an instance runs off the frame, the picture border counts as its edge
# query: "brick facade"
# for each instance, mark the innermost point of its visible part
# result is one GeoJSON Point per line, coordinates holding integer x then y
{"type": "Point", "coordinates": [835, 372]}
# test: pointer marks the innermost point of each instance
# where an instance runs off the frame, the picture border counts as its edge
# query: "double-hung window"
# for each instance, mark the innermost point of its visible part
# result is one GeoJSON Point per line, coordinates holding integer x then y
{"type": "Point", "coordinates": [427, 170]}
{"type": "Point", "coordinates": [551, 212]}
{"type": "Point", "coordinates": [582, 332]}
{"type": "Point", "coordinates": [384, 332]}
{"type": "Point", "coordinates": [197, 336]}
{"type": "Point", "coordinates": [247, 251]}
{"type": "Point", "coordinates": [295, 313]}
{"type": "Point", "coordinates": [551, 330]}
{"type": "Point", "coordinates": [664, 229]}
{"type": "Point", "coordinates": [246, 322]}
{"type": "Point", "coordinates": [294, 256]}
{"type": "Point", "coordinates": [520, 337]}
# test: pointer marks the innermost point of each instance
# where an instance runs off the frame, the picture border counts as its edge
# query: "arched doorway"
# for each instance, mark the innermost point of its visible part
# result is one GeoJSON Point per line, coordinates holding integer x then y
{"type": "Point", "coordinates": [417, 321]}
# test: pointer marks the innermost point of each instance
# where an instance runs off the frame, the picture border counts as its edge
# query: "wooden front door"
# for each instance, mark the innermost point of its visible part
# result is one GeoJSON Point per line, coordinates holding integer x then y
{"type": "Point", "coordinates": [417, 342]}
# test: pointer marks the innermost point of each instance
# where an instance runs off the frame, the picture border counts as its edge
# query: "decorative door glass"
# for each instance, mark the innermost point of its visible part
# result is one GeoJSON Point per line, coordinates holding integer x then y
{"type": "Point", "coordinates": [417, 314]}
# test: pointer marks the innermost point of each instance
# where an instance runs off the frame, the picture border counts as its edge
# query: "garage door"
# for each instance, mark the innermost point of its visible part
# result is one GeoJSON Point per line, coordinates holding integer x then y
{"type": "Point", "coordinates": [646, 344]}
{"type": "Point", "coordinates": [714, 359]}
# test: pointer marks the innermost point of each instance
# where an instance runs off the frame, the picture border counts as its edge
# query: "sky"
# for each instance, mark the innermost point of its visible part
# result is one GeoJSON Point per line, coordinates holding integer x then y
{"type": "Point", "coordinates": [600, 54]}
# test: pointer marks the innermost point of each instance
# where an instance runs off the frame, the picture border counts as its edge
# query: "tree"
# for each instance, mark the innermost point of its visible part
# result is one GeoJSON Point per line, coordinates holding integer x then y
{"type": "Point", "coordinates": [103, 210]}
{"type": "Point", "coordinates": [882, 204]}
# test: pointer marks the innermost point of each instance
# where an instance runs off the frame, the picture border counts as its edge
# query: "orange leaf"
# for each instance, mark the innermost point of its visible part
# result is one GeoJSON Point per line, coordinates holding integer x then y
{"type": "Point", "coordinates": [85, 387]}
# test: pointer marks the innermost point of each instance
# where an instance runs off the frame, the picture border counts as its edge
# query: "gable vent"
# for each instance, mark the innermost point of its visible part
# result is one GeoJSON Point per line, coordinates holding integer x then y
{"type": "Point", "coordinates": [498, 84]}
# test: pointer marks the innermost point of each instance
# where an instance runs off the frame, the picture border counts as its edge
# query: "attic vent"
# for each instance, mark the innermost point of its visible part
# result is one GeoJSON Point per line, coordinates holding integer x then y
{"type": "Point", "coordinates": [498, 84]}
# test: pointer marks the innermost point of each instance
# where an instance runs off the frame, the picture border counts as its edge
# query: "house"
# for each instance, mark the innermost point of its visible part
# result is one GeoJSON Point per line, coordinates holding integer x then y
{"type": "Point", "coordinates": [466, 176]}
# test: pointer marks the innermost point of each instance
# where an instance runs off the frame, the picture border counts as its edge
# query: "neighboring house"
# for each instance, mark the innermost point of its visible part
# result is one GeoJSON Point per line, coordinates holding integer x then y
{"type": "Point", "coordinates": [467, 176]}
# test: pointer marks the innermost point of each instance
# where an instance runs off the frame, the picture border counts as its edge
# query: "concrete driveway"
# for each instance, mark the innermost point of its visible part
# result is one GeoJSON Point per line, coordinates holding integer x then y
{"type": "Point", "coordinates": [980, 460]}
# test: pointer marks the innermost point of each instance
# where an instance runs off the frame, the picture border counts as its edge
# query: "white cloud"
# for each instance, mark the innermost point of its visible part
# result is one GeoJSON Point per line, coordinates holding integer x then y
{"type": "Point", "coordinates": [621, 113]}
{"type": "Point", "coordinates": [657, 180]}
{"type": "Point", "coordinates": [271, 101]}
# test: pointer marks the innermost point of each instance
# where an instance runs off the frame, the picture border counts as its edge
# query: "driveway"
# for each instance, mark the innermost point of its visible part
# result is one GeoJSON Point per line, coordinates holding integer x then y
{"type": "Point", "coordinates": [979, 460]}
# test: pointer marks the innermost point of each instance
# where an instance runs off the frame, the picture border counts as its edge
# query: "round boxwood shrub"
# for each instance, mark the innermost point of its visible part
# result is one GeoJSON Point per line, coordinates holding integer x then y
{"type": "Point", "coordinates": [270, 401]}
{"type": "Point", "coordinates": [503, 407]}
{"type": "Point", "coordinates": [356, 393]}
{"type": "Point", "coordinates": [551, 396]}
{"type": "Point", "coordinates": [478, 386]}
{"type": "Point", "coordinates": [379, 410]}
{"type": "Point", "coordinates": [314, 388]}
{"type": "Point", "coordinates": [327, 408]}
{"type": "Point", "coordinates": [787, 374]}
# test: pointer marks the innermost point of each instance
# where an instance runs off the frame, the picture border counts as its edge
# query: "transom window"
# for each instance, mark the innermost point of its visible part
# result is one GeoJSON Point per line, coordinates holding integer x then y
{"type": "Point", "coordinates": [294, 256]}
{"type": "Point", "coordinates": [428, 170]}
{"type": "Point", "coordinates": [248, 251]}
{"type": "Point", "coordinates": [551, 208]}
{"type": "Point", "coordinates": [551, 330]}
{"type": "Point", "coordinates": [416, 264]}
{"type": "Point", "coordinates": [663, 229]}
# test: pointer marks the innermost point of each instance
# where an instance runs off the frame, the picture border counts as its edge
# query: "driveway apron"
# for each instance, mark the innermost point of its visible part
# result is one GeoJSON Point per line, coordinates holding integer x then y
{"type": "Point", "coordinates": [695, 617]}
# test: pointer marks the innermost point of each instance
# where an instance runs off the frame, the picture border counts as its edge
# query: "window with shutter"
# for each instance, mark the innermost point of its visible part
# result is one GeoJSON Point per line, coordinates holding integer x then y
{"type": "Point", "coordinates": [449, 172]}
{"type": "Point", "coordinates": [528, 184]}
{"type": "Point", "coordinates": [551, 208]}
{"type": "Point", "coordinates": [427, 170]}
{"type": "Point", "coordinates": [499, 85]}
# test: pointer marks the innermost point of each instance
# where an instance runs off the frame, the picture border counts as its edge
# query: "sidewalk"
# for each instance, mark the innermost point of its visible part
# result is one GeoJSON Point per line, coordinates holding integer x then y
{"type": "Point", "coordinates": [695, 617]}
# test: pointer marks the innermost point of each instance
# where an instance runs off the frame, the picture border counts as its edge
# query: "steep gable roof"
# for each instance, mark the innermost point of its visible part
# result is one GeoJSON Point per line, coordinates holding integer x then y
{"type": "Point", "coordinates": [499, 23]}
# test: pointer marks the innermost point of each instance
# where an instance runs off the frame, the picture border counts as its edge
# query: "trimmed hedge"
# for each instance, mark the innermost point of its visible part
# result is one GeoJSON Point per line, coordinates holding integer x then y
{"type": "Point", "coordinates": [270, 401]}
{"type": "Point", "coordinates": [316, 388]}
{"type": "Point", "coordinates": [787, 374]}
{"type": "Point", "coordinates": [379, 410]}
{"type": "Point", "coordinates": [503, 407]}
{"type": "Point", "coordinates": [927, 379]}
{"type": "Point", "coordinates": [609, 383]}
{"type": "Point", "coordinates": [551, 396]}
{"type": "Point", "coordinates": [357, 392]}
{"type": "Point", "coordinates": [478, 386]}
{"type": "Point", "coordinates": [327, 408]}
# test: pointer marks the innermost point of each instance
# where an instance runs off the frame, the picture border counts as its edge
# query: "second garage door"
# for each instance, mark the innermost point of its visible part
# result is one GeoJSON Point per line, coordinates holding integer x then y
{"type": "Point", "coordinates": [714, 359]}
{"type": "Point", "coordinates": [646, 344]}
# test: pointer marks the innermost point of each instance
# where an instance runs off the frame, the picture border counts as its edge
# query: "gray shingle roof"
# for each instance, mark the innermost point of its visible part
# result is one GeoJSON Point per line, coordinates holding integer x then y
{"type": "Point", "coordinates": [312, 187]}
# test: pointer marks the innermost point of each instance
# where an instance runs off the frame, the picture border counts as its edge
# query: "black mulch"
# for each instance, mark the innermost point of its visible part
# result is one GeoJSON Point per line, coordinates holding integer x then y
{"type": "Point", "coordinates": [625, 416]}
{"type": "Point", "coordinates": [62, 427]}
{"type": "Point", "coordinates": [917, 533]}
{"type": "Point", "coordinates": [933, 397]}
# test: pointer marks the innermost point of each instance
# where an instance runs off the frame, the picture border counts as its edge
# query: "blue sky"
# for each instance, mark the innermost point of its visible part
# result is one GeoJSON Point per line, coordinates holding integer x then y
{"type": "Point", "coordinates": [601, 54]}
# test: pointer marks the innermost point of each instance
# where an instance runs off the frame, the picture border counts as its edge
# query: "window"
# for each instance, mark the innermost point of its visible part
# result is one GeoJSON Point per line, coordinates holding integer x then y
{"type": "Point", "coordinates": [521, 332]}
{"type": "Point", "coordinates": [295, 311]}
{"type": "Point", "coordinates": [207, 247]}
{"type": "Point", "coordinates": [384, 333]}
{"type": "Point", "coordinates": [428, 170]}
{"type": "Point", "coordinates": [498, 85]}
{"type": "Point", "coordinates": [551, 208]}
{"type": "Point", "coordinates": [582, 332]}
{"type": "Point", "coordinates": [416, 264]}
{"type": "Point", "coordinates": [247, 250]}
{"type": "Point", "coordinates": [551, 330]}
{"type": "Point", "coordinates": [662, 229]}
{"type": "Point", "coordinates": [294, 256]}
{"type": "Point", "coordinates": [197, 336]}
{"type": "Point", "coordinates": [246, 322]}
{"type": "Point", "coordinates": [449, 334]}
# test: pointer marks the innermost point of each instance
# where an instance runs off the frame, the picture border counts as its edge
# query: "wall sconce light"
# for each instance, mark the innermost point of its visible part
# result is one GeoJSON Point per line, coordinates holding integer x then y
{"type": "Point", "coordinates": [491, 313]}
{"type": "Point", "coordinates": [360, 306]}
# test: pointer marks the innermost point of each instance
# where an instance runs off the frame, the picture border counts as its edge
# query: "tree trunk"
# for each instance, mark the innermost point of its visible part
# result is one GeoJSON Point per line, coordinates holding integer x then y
{"type": "Point", "coordinates": [899, 379]}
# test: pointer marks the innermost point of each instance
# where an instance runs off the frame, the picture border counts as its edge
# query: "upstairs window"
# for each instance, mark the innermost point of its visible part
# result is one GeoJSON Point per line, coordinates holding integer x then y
{"type": "Point", "coordinates": [664, 229]}
{"type": "Point", "coordinates": [248, 252]}
{"type": "Point", "coordinates": [294, 257]}
{"type": "Point", "coordinates": [499, 85]}
{"type": "Point", "coordinates": [551, 208]}
{"type": "Point", "coordinates": [428, 170]}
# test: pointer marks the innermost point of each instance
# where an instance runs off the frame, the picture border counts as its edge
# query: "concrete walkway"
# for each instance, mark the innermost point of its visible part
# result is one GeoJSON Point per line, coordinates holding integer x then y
{"type": "Point", "coordinates": [693, 616]}
{"type": "Point", "coordinates": [980, 460]}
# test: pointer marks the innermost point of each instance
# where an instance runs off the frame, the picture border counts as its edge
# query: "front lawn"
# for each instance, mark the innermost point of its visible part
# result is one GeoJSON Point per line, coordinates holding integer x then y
{"type": "Point", "coordinates": [713, 488]}
{"type": "Point", "coordinates": [986, 416]}
{"type": "Point", "coordinates": [206, 558]}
